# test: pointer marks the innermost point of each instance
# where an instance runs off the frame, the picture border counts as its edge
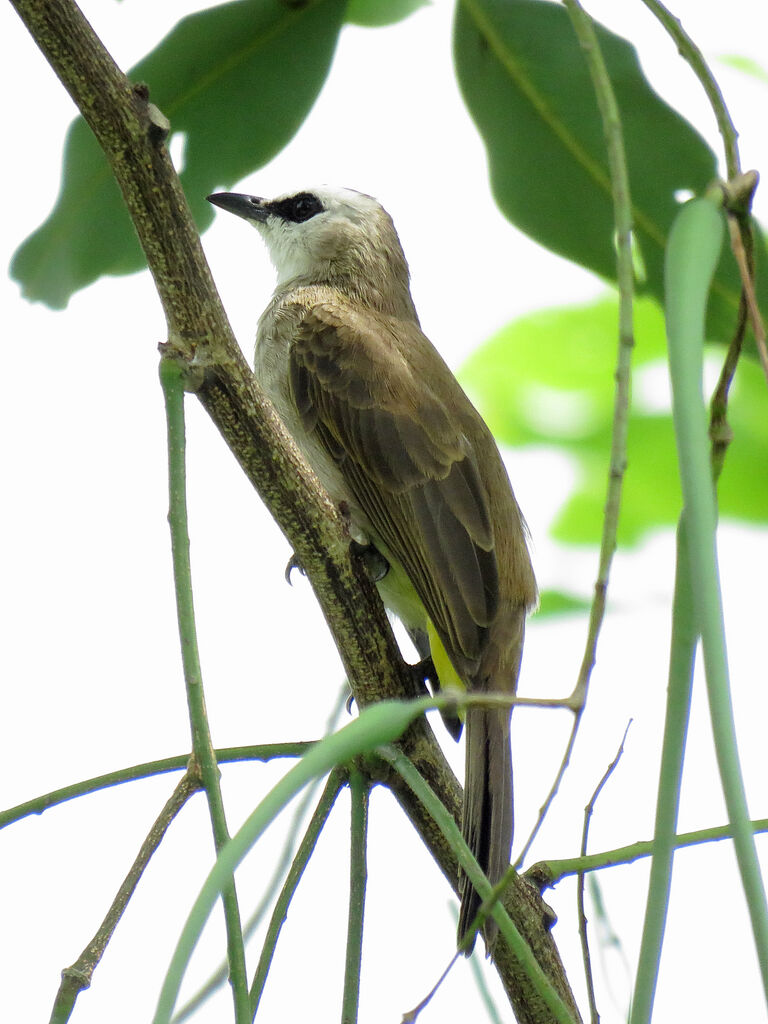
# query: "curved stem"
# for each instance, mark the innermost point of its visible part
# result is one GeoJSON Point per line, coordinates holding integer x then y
{"type": "Point", "coordinates": [204, 756]}
{"type": "Point", "coordinates": [622, 214]}
{"type": "Point", "coordinates": [690, 52]}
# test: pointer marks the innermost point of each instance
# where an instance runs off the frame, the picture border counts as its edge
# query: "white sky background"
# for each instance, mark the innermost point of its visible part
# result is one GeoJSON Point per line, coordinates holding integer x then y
{"type": "Point", "coordinates": [91, 672]}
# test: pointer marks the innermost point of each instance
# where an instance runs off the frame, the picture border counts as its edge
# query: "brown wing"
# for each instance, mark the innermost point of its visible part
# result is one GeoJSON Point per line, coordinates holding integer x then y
{"type": "Point", "coordinates": [407, 463]}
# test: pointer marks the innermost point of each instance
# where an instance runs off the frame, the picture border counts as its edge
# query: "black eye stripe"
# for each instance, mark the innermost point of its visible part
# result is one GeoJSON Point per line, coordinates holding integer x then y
{"type": "Point", "coordinates": [297, 208]}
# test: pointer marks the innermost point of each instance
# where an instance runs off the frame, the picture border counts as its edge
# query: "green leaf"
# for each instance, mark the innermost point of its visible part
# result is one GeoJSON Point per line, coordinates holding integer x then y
{"type": "Point", "coordinates": [548, 379]}
{"type": "Point", "coordinates": [528, 89]}
{"type": "Point", "coordinates": [556, 602]}
{"type": "Point", "coordinates": [238, 80]}
{"type": "Point", "coordinates": [746, 65]}
{"type": "Point", "coordinates": [375, 13]}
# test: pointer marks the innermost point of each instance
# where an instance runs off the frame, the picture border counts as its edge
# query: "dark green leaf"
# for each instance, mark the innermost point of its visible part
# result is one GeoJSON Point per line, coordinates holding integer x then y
{"type": "Point", "coordinates": [528, 89]}
{"type": "Point", "coordinates": [375, 13]}
{"type": "Point", "coordinates": [238, 80]}
{"type": "Point", "coordinates": [548, 379]}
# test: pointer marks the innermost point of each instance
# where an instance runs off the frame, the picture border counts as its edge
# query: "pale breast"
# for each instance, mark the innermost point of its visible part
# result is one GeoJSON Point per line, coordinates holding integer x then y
{"type": "Point", "coordinates": [271, 356]}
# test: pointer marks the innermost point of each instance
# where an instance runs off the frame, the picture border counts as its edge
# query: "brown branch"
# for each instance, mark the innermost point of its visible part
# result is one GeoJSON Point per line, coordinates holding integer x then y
{"type": "Point", "coordinates": [737, 195]}
{"type": "Point", "coordinates": [131, 132]}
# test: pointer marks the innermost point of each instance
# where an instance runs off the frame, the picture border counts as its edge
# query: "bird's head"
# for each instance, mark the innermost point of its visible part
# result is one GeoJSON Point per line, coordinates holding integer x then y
{"type": "Point", "coordinates": [324, 234]}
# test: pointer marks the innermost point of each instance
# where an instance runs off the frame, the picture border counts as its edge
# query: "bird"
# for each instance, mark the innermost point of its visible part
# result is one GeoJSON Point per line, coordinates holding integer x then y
{"type": "Point", "coordinates": [397, 444]}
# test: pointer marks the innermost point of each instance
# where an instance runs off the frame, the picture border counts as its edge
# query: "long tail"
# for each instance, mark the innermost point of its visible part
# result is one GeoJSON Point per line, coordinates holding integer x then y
{"type": "Point", "coordinates": [487, 820]}
{"type": "Point", "coordinates": [488, 815]}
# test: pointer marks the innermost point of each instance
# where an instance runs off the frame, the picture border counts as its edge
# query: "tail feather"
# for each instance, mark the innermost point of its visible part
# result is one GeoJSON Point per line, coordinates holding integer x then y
{"type": "Point", "coordinates": [488, 808]}
{"type": "Point", "coordinates": [487, 820]}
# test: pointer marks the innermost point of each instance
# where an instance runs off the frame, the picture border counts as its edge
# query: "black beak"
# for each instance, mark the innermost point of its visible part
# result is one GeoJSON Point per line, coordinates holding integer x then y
{"type": "Point", "coordinates": [249, 207]}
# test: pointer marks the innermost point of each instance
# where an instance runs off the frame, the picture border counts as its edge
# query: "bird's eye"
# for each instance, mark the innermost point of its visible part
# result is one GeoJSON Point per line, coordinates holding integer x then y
{"type": "Point", "coordinates": [302, 209]}
{"type": "Point", "coordinates": [298, 208]}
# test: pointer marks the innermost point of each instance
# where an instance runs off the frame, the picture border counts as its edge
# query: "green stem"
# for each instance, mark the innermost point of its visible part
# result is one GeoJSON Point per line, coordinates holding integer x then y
{"type": "Point", "coordinates": [680, 688]}
{"type": "Point", "coordinates": [172, 379]}
{"type": "Point", "coordinates": [549, 872]}
{"type": "Point", "coordinates": [253, 752]}
{"type": "Point", "coordinates": [300, 861]}
{"type": "Point", "coordinates": [271, 889]}
{"type": "Point", "coordinates": [489, 1003]}
{"type": "Point", "coordinates": [692, 255]}
{"type": "Point", "coordinates": [622, 216]}
{"type": "Point", "coordinates": [445, 822]}
{"type": "Point", "coordinates": [358, 879]}
{"type": "Point", "coordinates": [690, 52]}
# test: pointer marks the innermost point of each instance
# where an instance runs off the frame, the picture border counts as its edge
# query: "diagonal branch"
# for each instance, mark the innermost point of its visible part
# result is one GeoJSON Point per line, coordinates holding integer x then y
{"type": "Point", "coordinates": [78, 975]}
{"type": "Point", "coordinates": [131, 132]}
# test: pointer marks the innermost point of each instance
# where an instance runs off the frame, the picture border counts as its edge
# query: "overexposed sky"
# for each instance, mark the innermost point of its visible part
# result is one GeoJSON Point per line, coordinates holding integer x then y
{"type": "Point", "coordinates": [91, 673]}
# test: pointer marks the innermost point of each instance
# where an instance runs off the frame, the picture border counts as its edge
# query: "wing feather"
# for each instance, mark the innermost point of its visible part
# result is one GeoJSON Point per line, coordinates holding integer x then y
{"type": "Point", "coordinates": [406, 461]}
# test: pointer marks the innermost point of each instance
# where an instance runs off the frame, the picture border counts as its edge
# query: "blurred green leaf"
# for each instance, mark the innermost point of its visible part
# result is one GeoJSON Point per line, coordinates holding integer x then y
{"type": "Point", "coordinates": [238, 80]}
{"type": "Point", "coordinates": [528, 89]}
{"type": "Point", "coordinates": [548, 379]}
{"type": "Point", "coordinates": [375, 13]}
{"type": "Point", "coordinates": [555, 602]}
{"type": "Point", "coordinates": [746, 65]}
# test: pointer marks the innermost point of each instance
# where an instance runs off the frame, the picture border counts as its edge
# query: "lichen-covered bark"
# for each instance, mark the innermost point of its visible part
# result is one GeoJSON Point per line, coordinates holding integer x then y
{"type": "Point", "coordinates": [132, 133]}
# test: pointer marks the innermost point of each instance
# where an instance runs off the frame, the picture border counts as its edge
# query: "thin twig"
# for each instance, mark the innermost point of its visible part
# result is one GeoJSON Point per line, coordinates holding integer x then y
{"type": "Point", "coordinates": [283, 862]}
{"type": "Point", "coordinates": [690, 52]}
{"type": "Point", "coordinates": [332, 788]}
{"type": "Point", "coordinates": [622, 213]}
{"type": "Point", "coordinates": [78, 976]}
{"type": "Point", "coordinates": [410, 1016]}
{"type": "Point", "coordinates": [489, 1004]}
{"type": "Point", "coordinates": [741, 241]}
{"type": "Point", "coordinates": [546, 873]}
{"type": "Point", "coordinates": [588, 811]}
{"type": "Point", "coordinates": [737, 194]}
{"type": "Point", "coordinates": [738, 227]}
{"type": "Point", "coordinates": [359, 787]}
{"type": "Point", "coordinates": [171, 377]}
{"type": "Point", "coordinates": [720, 433]}
{"type": "Point", "coordinates": [149, 769]}
{"type": "Point", "coordinates": [559, 1003]}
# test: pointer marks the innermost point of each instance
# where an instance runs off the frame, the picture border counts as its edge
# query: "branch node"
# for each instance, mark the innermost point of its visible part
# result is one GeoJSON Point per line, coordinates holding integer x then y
{"type": "Point", "coordinates": [159, 125]}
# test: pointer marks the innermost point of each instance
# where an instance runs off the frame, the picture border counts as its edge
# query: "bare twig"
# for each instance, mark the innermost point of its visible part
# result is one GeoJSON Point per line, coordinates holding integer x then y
{"type": "Point", "coordinates": [324, 807]}
{"type": "Point", "coordinates": [740, 232]}
{"type": "Point", "coordinates": [622, 207]}
{"type": "Point", "coordinates": [588, 811]}
{"type": "Point", "coordinates": [690, 52]}
{"type": "Point", "coordinates": [410, 1016]}
{"type": "Point", "coordinates": [78, 976]}
{"type": "Point", "coordinates": [737, 195]}
{"type": "Point", "coordinates": [720, 432]}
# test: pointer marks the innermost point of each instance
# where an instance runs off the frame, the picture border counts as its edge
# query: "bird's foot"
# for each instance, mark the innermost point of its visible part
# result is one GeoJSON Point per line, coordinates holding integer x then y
{"type": "Point", "coordinates": [372, 559]}
{"type": "Point", "coordinates": [293, 563]}
{"type": "Point", "coordinates": [425, 676]}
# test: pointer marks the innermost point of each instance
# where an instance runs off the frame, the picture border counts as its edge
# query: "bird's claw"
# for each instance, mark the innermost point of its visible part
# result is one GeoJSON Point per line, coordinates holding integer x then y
{"type": "Point", "coordinates": [372, 559]}
{"type": "Point", "coordinates": [293, 563]}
